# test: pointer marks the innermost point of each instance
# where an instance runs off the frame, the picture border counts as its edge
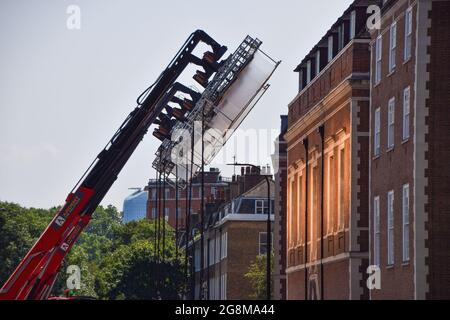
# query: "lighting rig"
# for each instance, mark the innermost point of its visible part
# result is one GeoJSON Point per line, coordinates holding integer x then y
{"type": "Point", "coordinates": [194, 126]}
{"type": "Point", "coordinates": [238, 84]}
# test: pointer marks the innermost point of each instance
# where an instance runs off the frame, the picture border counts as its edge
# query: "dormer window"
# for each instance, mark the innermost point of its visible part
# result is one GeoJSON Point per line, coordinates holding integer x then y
{"type": "Point", "coordinates": [308, 72]}
{"type": "Point", "coordinates": [341, 35]}
{"type": "Point", "coordinates": [352, 25]}
{"type": "Point", "coordinates": [330, 48]}
{"type": "Point", "coordinates": [317, 62]}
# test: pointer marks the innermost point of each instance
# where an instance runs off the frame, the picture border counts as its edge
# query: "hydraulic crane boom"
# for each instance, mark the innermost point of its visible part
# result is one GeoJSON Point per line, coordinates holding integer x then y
{"type": "Point", "coordinates": [35, 275]}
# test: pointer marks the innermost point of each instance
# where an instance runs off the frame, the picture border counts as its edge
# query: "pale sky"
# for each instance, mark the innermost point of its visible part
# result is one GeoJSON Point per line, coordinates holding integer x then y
{"type": "Point", "coordinates": [63, 93]}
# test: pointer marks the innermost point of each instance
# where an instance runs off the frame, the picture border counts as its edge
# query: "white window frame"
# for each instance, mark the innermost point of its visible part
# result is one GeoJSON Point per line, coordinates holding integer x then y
{"type": "Point", "coordinates": [260, 242]}
{"type": "Point", "coordinates": [258, 206]}
{"type": "Point", "coordinates": [224, 245]}
{"type": "Point", "coordinates": [408, 34]}
{"type": "Point", "coordinates": [352, 25]}
{"type": "Point", "coordinates": [405, 218]}
{"type": "Point", "coordinates": [376, 231]}
{"type": "Point", "coordinates": [391, 123]}
{"type": "Point", "coordinates": [166, 213]}
{"type": "Point", "coordinates": [392, 46]}
{"type": "Point", "coordinates": [377, 131]}
{"type": "Point", "coordinates": [223, 286]}
{"type": "Point", "coordinates": [317, 62]}
{"type": "Point", "coordinates": [378, 58]}
{"type": "Point", "coordinates": [217, 253]}
{"type": "Point", "coordinates": [330, 48]}
{"type": "Point", "coordinates": [390, 229]}
{"type": "Point", "coordinates": [406, 113]}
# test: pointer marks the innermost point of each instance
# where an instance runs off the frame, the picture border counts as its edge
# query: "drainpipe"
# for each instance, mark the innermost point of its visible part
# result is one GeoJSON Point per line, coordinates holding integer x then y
{"type": "Point", "coordinates": [322, 137]}
{"type": "Point", "coordinates": [306, 146]}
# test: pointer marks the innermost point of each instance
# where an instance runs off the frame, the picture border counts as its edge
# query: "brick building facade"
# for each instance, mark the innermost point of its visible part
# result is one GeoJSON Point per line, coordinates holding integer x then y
{"type": "Point", "coordinates": [328, 145]}
{"type": "Point", "coordinates": [216, 187]}
{"type": "Point", "coordinates": [235, 236]}
{"type": "Point", "coordinates": [410, 135]}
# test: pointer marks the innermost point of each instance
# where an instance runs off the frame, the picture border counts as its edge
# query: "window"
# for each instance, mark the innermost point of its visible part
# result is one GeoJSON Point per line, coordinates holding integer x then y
{"type": "Point", "coordinates": [211, 245]}
{"type": "Point", "coordinates": [217, 253]}
{"type": "Point", "coordinates": [405, 214]}
{"type": "Point", "coordinates": [205, 255]}
{"type": "Point", "coordinates": [153, 194]}
{"type": "Point", "coordinates": [223, 286]}
{"type": "Point", "coordinates": [214, 192]}
{"type": "Point", "coordinates": [376, 228]}
{"type": "Point", "coordinates": [167, 193]}
{"type": "Point", "coordinates": [212, 288]}
{"type": "Point", "coordinates": [330, 194]}
{"type": "Point", "coordinates": [390, 228]}
{"type": "Point", "coordinates": [263, 242]}
{"type": "Point", "coordinates": [197, 258]}
{"type": "Point", "coordinates": [224, 243]}
{"type": "Point", "coordinates": [317, 62]}
{"type": "Point", "coordinates": [314, 207]}
{"type": "Point", "coordinates": [291, 214]}
{"type": "Point", "coordinates": [261, 207]}
{"type": "Point", "coordinates": [308, 72]}
{"type": "Point", "coordinates": [377, 135]}
{"type": "Point", "coordinates": [378, 55]}
{"type": "Point", "coordinates": [391, 123]}
{"type": "Point", "coordinates": [341, 199]}
{"type": "Point", "coordinates": [408, 34]}
{"type": "Point", "coordinates": [406, 111]}
{"type": "Point", "coordinates": [392, 46]}
{"type": "Point", "coordinates": [300, 82]}
{"type": "Point", "coordinates": [153, 213]}
{"type": "Point", "coordinates": [299, 208]}
{"type": "Point", "coordinates": [341, 31]}
{"type": "Point", "coordinates": [166, 213]}
{"type": "Point", "coordinates": [352, 25]}
{"type": "Point", "coordinates": [330, 48]}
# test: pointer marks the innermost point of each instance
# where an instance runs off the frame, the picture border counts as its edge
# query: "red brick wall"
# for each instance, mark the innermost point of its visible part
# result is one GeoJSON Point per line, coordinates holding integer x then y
{"type": "Point", "coordinates": [353, 60]}
{"type": "Point", "coordinates": [394, 168]}
{"type": "Point", "coordinates": [439, 152]}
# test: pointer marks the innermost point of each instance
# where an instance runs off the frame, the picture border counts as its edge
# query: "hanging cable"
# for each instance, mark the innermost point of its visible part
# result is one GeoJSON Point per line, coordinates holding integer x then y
{"type": "Point", "coordinates": [176, 214]}
{"type": "Point", "coordinates": [159, 217]}
{"type": "Point", "coordinates": [187, 231]}
{"type": "Point", "coordinates": [190, 208]}
{"type": "Point", "coordinates": [202, 210]}
{"type": "Point", "coordinates": [154, 211]}
{"type": "Point", "coordinates": [164, 217]}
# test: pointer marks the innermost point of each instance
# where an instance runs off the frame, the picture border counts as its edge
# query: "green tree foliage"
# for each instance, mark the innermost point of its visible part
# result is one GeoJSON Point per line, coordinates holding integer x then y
{"type": "Point", "coordinates": [19, 229]}
{"type": "Point", "coordinates": [256, 275]}
{"type": "Point", "coordinates": [117, 261]}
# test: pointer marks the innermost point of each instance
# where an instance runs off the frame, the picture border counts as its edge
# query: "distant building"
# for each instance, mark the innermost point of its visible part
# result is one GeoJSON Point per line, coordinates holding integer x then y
{"type": "Point", "coordinates": [135, 206]}
{"type": "Point", "coordinates": [215, 188]}
{"type": "Point", "coordinates": [236, 234]}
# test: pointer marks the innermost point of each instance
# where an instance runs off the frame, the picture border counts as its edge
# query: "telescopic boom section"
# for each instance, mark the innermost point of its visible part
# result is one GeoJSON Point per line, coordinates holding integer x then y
{"type": "Point", "coordinates": [35, 275]}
